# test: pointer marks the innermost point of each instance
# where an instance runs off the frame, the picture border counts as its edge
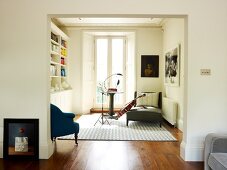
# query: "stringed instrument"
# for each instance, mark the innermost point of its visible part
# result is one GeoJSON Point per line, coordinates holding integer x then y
{"type": "Point", "coordinates": [128, 106]}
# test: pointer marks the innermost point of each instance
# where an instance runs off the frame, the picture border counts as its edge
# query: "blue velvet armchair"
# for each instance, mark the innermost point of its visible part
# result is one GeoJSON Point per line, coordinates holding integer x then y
{"type": "Point", "coordinates": [62, 123]}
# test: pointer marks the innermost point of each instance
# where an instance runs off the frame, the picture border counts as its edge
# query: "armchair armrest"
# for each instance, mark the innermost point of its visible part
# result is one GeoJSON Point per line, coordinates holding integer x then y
{"type": "Point", "coordinates": [214, 143]}
{"type": "Point", "coordinates": [69, 115]}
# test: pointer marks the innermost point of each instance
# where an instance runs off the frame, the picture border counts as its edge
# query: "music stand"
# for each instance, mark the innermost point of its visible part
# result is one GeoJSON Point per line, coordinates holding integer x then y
{"type": "Point", "coordinates": [105, 90]}
{"type": "Point", "coordinates": [102, 116]}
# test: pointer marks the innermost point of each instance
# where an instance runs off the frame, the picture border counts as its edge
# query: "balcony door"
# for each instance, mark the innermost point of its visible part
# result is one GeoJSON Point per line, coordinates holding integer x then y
{"type": "Point", "coordinates": [110, 59]}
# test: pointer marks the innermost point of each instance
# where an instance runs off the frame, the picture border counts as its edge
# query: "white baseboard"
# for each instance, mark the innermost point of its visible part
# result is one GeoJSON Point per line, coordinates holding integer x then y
{"type": "Point", "coordinates": [46, 150]}
{"type": "Point", "coordinates": [1, 149]}
{"type": "Point", "coordinates": [191, 153]}
{"type": "Point", "coordinates": [180, 124]}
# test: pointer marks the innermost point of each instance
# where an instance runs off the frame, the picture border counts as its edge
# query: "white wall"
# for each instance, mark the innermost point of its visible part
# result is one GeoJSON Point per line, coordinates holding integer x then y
{"type": "Point", "coordinates": [148, 42]}
{"type": "Point", "coordinates": [24, 61]}
{"type": "Point", "coordinates": [75, 68]}
{"type": "Point", "coordinates": [88, 79]}
{"type": "Point", "coordinates": [173, 34]}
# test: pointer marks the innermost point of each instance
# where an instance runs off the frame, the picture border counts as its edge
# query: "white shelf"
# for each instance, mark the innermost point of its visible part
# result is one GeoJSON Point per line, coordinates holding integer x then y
{"type": "Point", "coordinates": [55, 76]}
{"type": "Point", "coordinates": [54, 42]}
{"type": "Point", "coordinates": [59, 91]}
{"type": "Point", "coordinates": [55, 63]}
{"type": "Point", "coordinates": [56, 59]}
{"type": "Point", "coordinates": [54, 53]}
{"type": "Point", "coordinates": [63, 47]}
{"type": "Point", "coordinates": [62, 56]}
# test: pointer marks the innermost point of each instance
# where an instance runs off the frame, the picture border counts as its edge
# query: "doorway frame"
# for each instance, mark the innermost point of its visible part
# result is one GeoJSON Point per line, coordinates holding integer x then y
{"type": "Point", "coordinates": [185, 90]}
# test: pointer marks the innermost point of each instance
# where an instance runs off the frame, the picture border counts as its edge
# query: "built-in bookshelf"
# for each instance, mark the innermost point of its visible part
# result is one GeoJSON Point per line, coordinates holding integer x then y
{"type": "Point", "coordinates": [58, 59]}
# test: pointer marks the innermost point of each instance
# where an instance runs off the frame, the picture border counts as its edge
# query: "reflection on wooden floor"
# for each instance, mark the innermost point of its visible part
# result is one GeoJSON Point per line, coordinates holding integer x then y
{"type": "Point", "coordinates": [111, 155]}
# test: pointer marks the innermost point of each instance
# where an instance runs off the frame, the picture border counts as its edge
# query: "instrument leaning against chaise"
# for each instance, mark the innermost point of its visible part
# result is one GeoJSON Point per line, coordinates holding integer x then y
{"type": "Point", "coordinates": [128, 106]}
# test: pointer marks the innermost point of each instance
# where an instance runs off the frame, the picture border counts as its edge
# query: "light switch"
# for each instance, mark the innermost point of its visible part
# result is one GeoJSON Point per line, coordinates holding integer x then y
{"type": "Point", "coordinates": [205, 72]}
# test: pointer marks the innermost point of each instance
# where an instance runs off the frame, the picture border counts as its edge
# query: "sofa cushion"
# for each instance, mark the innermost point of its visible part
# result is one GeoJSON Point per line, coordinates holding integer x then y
{"type": "Point", "coordinates": [140, 114]}
{"type": "Point", "coordinates": [151, 99]}
{"type": "Point", "coordinates": [218, 161]}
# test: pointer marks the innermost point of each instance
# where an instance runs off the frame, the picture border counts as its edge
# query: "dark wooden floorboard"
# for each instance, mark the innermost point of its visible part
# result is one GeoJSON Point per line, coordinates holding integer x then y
{"type": "Point", "coordinates": [110, 155]}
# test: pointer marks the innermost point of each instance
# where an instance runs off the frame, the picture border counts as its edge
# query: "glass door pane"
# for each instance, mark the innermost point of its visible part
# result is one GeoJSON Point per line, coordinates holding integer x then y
{"type": "Point", "coordinates": [101, 66]}
{"type": "Point", "coordinates": [117, 67]}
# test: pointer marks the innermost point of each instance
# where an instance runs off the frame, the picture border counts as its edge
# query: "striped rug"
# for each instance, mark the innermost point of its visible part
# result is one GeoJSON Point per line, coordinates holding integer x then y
{"type": "Point", "coordinates": [117, 130]}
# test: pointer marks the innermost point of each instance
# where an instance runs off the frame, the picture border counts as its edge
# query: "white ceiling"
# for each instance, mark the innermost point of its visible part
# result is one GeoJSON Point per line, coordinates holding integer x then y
{"type": "Point", "coordinates": [109, 21]}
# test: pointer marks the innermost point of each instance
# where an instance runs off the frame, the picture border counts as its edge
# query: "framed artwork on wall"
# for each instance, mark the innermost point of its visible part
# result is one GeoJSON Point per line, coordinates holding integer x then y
{"type": "Point", "coordinates": [149, 66]}
{"type": "Point", "coordinates": [172, 66]}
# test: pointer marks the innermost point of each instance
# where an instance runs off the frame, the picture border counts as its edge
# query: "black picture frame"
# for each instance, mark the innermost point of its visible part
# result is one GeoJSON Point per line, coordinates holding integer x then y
{"type": "Point", "coordinates": [172, 66]}
{"type": "Point", "coordinates": [27, 132]}
{"type": "Point", "coordinates": [149, 65]}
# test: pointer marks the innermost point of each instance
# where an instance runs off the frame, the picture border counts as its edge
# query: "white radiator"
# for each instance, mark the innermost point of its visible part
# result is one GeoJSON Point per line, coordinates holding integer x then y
{"type": "Point", "coordinates": [169, 110]}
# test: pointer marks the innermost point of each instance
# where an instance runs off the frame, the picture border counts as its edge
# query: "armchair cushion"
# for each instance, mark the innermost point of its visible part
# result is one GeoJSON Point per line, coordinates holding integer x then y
{"type": "Point", "coordinates": [218, 161]}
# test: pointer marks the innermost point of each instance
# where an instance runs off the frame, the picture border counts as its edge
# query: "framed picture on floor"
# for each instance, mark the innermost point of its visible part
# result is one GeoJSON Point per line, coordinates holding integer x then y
{"type": "Point", "coordinates": [172, 66]}
{"type": "Point", "coordinates": [21, 139]}
{"type": "Point", "coordinates": [149, 66]}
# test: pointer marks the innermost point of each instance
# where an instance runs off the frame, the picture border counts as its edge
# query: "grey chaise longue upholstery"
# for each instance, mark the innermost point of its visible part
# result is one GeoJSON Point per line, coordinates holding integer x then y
{"type": "Point", "coordinates": [215, 153]}
{"type": "Point", "coordinates": [151, 114]}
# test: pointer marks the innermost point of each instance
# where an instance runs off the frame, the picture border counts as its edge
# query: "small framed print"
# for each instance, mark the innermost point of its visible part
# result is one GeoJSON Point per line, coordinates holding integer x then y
{"type": "Point", "coordinates": [21, 139]}
{"type": "Point", "coordinates": [149, 66]}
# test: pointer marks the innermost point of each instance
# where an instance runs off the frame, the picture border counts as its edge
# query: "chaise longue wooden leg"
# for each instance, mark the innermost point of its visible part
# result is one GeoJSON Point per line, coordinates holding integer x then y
{"type": "Point", "coordinates": [76, 136]}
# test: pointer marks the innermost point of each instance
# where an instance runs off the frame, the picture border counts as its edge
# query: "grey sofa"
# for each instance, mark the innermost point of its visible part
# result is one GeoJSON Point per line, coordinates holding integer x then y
{"type": "Point", "coordinates": [150, 114]}
{"type": "Point", "coordinates": [215, 153]}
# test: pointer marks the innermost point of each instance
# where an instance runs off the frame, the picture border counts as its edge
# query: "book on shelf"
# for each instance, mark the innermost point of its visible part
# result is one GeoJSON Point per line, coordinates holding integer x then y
{"type": "Point", "coordinates": [53, 70]}
{"type": "Point", "coordinates": [63, 43]}
{"type": "Point", "coordinates": [54, 37]}
{"type": "Point", "coordinates": [63, 73]}
{"type": "Point", "coordinates": [63, 61]}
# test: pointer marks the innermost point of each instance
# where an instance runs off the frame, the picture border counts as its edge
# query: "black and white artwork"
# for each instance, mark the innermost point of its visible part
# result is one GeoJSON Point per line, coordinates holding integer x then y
{"type": "Point", "coordinates": [172, 66]}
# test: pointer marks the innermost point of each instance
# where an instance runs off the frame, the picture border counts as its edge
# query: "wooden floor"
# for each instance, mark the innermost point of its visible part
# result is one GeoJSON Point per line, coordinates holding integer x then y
{"type": "Point", "coordinates": [110, 155]}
